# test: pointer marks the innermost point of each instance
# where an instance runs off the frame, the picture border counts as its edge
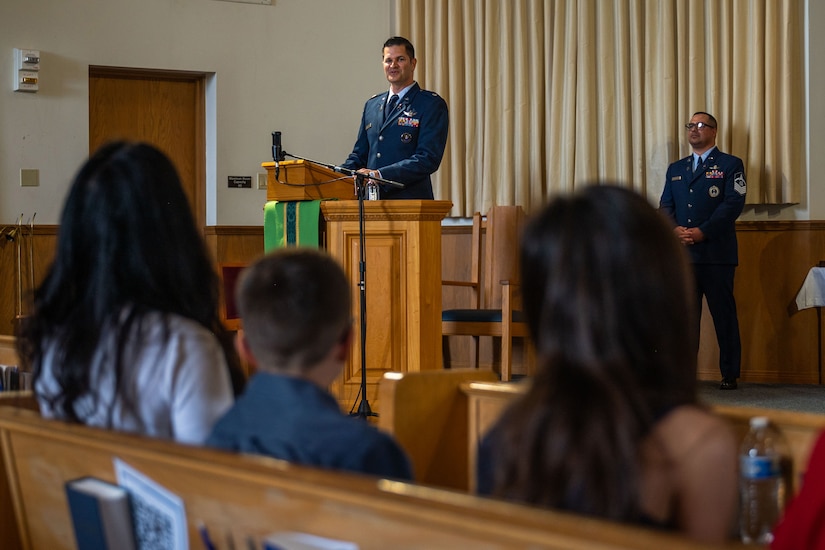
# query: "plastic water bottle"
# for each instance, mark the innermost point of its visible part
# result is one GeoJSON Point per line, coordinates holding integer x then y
{"type": "Point", "coordinates": [764, 475]}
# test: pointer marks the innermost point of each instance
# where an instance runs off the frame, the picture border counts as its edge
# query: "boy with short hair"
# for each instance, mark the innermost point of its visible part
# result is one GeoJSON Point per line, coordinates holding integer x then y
{"type": "Point", "coordinates": [296, 309]}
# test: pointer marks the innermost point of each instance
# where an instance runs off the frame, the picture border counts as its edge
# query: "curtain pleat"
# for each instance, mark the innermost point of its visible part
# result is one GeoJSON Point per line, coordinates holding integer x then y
{"type": "Point", "coordinates": [546, 96]}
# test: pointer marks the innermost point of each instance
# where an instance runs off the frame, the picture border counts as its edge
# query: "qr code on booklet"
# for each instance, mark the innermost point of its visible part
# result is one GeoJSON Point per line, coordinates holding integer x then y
{"type": "Point", "coordinates": [153, 529]}
{"type": "Point", "coordinates": [159, 515]}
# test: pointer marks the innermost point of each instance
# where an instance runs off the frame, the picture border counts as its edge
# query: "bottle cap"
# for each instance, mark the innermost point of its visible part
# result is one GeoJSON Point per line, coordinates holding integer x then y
{"type": "Point", "coordinates": [759, 422]}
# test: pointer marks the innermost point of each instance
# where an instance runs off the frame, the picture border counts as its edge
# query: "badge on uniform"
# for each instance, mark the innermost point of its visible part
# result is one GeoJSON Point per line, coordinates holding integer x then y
{"type": "Point", "coordinates": [739, 184]}
{"type": "Point", "coordinates": [368, 126]}
{"type": "Point", "coordinates": [713, 191]}
{"type": "Point", "coordinates": [407, 121]}
{"type": "Point", "coordinates": [676, 178]}
{"type": "Point", "coordinates": [411, 112]}
{"type": "Point", "coordinates": [406, 137]}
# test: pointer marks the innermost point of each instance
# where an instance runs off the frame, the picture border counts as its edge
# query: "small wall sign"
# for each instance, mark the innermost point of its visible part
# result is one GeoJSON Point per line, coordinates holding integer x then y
{"type": "Point", "coordinates": [240, 182]}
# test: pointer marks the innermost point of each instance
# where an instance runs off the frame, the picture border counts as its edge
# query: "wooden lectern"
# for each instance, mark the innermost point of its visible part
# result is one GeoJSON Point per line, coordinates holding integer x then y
{"type": "Point", "coordinates": [403, 287]}
{"type": "Point", "coordinates": [403, 278]}
{"type": "Point", "coordinates": [306, 181]}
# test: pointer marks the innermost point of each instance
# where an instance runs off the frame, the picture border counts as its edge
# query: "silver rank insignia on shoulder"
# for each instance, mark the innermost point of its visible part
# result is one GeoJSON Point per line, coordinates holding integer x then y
{"type": "Point", "coordinates": [739, 184]}
{"type": "Point", "coordinates": [368, 126]}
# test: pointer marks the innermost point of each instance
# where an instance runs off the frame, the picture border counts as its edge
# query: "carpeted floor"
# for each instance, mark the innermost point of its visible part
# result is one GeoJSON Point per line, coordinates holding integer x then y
{"type": "Point", "coordinates": [796, 397]}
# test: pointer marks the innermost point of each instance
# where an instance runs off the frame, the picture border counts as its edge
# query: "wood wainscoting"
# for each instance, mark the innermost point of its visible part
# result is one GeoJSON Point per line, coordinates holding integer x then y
{"type": "Point", "coordinates": [234, 243]}
{"type": "Point", "coordinates": [239, 244]}
{"type": "Point", "coordinates": [38, 251]}
{"type": "Point", "coordinates": [779, 343]}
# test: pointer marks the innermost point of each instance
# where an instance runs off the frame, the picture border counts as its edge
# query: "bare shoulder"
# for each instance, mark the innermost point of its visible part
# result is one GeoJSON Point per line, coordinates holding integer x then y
{"type": "Point", "coordinates": [691, 429]}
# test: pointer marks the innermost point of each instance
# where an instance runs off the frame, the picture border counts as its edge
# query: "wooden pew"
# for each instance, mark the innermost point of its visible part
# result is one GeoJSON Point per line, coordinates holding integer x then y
{"type": "Point", "coordinates": [486, 400]}
{"type": "Point", "coordinates": [430, 412]}
{"type": "Point", "coordinates": [8, 351]}
{"type": "Point", "coordinates": [240, 496]}
{"type": "Point", "coordinates": [19, 399]}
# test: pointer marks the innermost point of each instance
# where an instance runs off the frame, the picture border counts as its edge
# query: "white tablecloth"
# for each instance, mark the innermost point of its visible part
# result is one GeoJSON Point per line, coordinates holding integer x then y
{"type": "Point", "coordinates": [812, 293]}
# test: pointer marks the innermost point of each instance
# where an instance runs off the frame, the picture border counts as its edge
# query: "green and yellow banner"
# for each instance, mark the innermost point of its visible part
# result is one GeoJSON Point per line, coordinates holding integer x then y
{"type": "Point", "coordinates": [291, 223]}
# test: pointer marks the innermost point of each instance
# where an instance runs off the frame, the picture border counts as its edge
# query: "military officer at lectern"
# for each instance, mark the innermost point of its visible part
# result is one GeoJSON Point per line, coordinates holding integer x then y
{"type": "Point", "coordinates": [704, 194]}
{"type": "Point", "coordinates": [403, 132]}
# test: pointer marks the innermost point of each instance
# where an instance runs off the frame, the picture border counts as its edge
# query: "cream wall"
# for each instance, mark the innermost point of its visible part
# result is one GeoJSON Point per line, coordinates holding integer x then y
{"type": "Point", "coordinates": [303, 67]}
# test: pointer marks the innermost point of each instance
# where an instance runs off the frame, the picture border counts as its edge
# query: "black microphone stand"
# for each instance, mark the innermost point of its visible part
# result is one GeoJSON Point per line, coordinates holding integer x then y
{"type": "Point", "coordinates": [364, 409]}
{"type": "Point", "coordinates": [361, 180]}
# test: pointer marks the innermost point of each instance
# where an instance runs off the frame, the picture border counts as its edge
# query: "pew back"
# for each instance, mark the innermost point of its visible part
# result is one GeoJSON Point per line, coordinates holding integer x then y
{"type": "Point", "coordinates": [238, 496]}
{"type": "Point", "coordinates": [488, 400]}
{"type": "Point", "coordinates": [8, 352]}
{"type": "Point", "coordinates": [406, 396]}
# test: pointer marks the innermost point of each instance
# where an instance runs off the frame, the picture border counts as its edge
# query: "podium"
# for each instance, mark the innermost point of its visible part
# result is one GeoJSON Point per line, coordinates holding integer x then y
{"type": "Point", "coordinates": [305, 181]}
{"type": "Point", "coordinates": [403, 278]}
{"type": "Point", "coordinates": [403, 282]}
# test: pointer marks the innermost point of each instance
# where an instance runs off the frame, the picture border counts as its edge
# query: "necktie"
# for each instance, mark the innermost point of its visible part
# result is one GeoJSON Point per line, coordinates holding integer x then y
{"type": "Point", "coordinates": [391, 105]}
{"type": "Point", "coordinates": [698, 165]}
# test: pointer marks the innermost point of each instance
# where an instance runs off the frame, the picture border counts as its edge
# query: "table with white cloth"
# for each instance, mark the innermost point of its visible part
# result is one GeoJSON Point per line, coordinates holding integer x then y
{"type": "Point", "coordinates": [812, 294]}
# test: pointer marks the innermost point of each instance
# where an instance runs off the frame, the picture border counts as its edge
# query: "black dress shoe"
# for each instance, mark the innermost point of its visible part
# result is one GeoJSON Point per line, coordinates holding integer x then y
{"type": "Point", "coordinates": [728, 384]}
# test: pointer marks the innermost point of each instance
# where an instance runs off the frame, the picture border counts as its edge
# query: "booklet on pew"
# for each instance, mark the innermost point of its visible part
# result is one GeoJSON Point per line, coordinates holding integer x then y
{"type": "Point", "coordinates": [10, 378]}
{"type": "Point", "coordinates": [101, 515]}
{"type": "Point", "coordinates": [159, 514]}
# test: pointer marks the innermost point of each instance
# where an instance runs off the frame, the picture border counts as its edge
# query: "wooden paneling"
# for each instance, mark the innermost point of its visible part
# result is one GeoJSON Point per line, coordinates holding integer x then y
{"type": "Point", "coordinates": [780, 344]}
{"type": "Point", "coordinates": [403, 301]}
{"type": "Point", "coordinates": [234, 243]}
{"type": "Point", "coordinates": [8, 352]}
{"type": "Point", "coordinates": [15, 272]}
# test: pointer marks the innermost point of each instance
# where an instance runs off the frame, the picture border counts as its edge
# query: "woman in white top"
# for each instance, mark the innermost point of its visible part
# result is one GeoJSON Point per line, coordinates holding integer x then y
{"type": "Point", "coordinates": [125, 332]}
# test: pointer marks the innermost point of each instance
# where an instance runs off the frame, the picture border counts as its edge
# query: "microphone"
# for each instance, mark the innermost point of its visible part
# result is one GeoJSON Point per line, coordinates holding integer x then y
{"type": "Point", "coordinates": [277, 150]}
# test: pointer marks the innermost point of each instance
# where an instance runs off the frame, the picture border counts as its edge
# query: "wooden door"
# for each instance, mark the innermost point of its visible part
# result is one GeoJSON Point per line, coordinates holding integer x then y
{"type": "Point", "coordinates": [164, 108]}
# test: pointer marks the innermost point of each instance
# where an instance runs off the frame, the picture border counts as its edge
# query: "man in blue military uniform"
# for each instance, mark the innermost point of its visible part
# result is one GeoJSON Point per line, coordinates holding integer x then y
{"type": "Point", "coordinates": [704, 194]}
{"type": "Point", "coordinates": [403, 132]}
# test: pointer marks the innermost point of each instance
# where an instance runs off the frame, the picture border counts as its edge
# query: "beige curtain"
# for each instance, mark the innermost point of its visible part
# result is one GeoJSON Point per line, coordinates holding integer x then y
{"type": "Point", "coordinates": [548, 95]}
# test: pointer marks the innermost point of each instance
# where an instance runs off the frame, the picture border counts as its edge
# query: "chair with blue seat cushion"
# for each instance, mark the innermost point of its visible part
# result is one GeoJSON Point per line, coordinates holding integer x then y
{"type": "Point", "coordinates": [494, 282]}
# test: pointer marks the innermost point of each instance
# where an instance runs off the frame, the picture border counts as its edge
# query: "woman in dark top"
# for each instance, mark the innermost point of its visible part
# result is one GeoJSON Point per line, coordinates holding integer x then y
{"type": "Point", "coordinates": [610, 426]}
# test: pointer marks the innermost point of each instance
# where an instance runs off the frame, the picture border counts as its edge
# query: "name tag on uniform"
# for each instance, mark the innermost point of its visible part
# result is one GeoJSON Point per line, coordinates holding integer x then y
{"type": "Point", "coordinates": [407, 121]}
{"type": "Point", "coordinates": [676, 178]}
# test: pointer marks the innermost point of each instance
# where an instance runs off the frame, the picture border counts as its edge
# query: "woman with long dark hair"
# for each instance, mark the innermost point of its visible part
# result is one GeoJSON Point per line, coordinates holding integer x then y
{"type": "Point", "coordinates": [125, 332]}
{"type": "Point", "coordinates": [610, 424]}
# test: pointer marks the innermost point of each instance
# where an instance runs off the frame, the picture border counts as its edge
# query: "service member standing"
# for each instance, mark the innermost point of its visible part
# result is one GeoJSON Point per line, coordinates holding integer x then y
{"type": "Point", "coordinates": [704, 194]}
{"type": "Point", "coordinates": [403, 132]}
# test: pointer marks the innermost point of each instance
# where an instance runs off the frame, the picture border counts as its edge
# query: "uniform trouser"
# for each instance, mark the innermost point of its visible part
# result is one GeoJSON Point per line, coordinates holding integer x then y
{"type": "Point", "coordinates": [715, 283]}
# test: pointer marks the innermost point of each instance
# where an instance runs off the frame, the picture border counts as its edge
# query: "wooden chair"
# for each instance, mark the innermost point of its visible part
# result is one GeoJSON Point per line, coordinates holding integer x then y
{"type": "Point", "coordinates": [495, 304]}
{"type": "Point", "coordinates": [229, 273]}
